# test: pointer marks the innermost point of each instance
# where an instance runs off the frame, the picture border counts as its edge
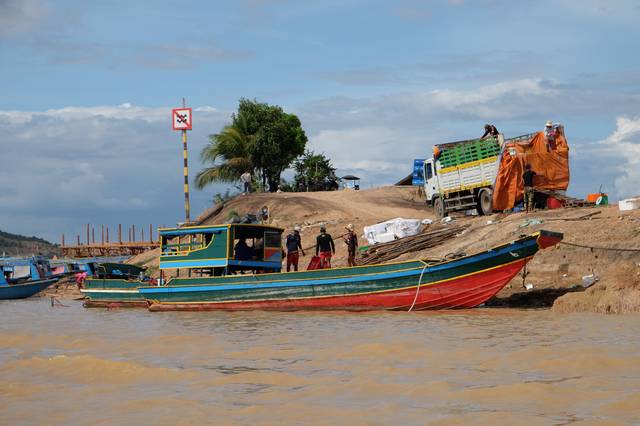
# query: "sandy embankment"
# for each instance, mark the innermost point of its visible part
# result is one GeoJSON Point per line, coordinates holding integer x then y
{"type": "Point", "coordinates": [552, 271]}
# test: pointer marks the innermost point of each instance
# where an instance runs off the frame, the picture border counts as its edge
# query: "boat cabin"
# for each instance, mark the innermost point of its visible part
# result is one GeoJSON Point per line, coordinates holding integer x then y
{"type": "Point", "coordinates": [214, 250]}
{"type": "Point", "coordinates": [20, 270]}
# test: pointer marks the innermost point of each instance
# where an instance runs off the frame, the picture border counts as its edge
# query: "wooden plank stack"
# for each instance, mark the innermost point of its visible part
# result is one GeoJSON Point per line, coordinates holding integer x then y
{"type": "Point", "coordinates": [430, 237]}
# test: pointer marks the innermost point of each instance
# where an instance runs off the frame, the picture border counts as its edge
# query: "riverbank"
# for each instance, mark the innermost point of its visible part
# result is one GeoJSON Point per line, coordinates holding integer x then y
{"type": "Point", "coordinates": [551, 274]}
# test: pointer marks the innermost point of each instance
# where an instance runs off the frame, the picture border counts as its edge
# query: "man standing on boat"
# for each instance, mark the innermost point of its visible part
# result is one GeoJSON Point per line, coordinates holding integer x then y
{"type": "Point", "coordinates": [351, 239]}
{"type": "Point", "coordinates": [325, 247]}
{"type": "Point", "coordinates": [293, 243]}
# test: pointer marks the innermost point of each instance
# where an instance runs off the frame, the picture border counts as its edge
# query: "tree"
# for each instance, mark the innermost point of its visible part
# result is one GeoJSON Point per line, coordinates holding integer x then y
{"type": "Point", "coordinates": [314, 172]}
{"type": "Point", "coordinates": [229, 152]}
{"type": "Point", "coordinates": [278, 138]}
{"type": "Point", "coordinates": [261, 138]}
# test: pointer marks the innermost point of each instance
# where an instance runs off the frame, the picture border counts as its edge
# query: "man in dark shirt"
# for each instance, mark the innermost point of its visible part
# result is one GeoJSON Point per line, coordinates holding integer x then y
{"type": "Point", "coordinates": [490, 131]}
{"type": "Point", "coordinates": [293, 243]}
{"type": "Point", "coordinates": [529, 192]}
{"type": "Point", "coordinates": [325, 247]}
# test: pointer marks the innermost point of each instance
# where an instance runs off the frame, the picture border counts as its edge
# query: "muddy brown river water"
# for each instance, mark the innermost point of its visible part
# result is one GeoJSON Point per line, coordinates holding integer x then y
{"type": "Point", "coordinates": [72, 366]}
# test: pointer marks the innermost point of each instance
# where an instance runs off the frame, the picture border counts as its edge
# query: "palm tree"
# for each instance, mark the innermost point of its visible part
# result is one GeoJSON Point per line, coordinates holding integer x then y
{"type": "Point", "coordinates": [229, 153]}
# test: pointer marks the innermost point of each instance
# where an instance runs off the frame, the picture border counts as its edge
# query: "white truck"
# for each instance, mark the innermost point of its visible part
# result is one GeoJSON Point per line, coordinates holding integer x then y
{"type": "Point", "coordinates": [461, 175]}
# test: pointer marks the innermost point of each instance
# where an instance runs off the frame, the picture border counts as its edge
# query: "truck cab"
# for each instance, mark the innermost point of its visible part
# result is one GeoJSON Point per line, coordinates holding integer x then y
{"type": "Point", "coordinates": [460, 175]}
{"type": "Point", "coordinates": [431, 185]}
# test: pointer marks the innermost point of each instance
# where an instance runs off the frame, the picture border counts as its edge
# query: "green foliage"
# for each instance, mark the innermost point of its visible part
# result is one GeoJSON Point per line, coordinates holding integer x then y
{"type": "Point", "coordinates": [262, 138]}
{"type": "Point", "coordinates": [232, 214]}
{"type": "Point", "coordinates": [286, 186]}
{"type": "Point", "coordinates": [229, 153]}
{"type": "Point", "coordinates": [20, 245]}
{"type": "Point", "coordinates": [314, 172]}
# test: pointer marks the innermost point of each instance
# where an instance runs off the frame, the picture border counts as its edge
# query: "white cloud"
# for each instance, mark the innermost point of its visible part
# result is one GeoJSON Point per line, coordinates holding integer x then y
{"type": "Point", "coordinates": [102, 164]}
{"type": "Point", "coordinates": [124, 111]}
{"type": "Point", "coordinates": [624, 144]}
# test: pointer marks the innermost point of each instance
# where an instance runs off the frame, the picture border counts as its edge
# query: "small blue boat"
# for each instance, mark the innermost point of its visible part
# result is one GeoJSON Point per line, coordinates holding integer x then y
{"type": "Point", "coordinates": [22, 278]}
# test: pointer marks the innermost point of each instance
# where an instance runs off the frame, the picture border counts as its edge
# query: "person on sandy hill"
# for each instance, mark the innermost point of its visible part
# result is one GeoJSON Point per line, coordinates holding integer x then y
{"type": "Point", "coordinates": [351, 239]}
{"type": "Point", "coordinates": [325, 247]}
{"type": "Point", "coordinates": [245, 178]}
{"type": "Point", "coordinates": [293, 243]}
{"type": "Point", "coordinates": [529, 191]}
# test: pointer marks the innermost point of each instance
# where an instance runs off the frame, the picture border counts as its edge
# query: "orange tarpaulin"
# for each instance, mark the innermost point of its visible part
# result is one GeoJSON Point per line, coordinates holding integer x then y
{"type": "Point", "coordinates": [551, 164]}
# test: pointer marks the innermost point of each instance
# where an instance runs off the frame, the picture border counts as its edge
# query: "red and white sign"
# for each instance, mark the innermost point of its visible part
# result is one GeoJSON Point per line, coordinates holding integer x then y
{"type": "Point", "coordinates": [181, 118]}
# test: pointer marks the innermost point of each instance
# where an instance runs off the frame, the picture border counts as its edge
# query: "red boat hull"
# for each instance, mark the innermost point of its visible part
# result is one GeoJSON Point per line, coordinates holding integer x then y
{"type": "Point", "coordinates": [460, 292]}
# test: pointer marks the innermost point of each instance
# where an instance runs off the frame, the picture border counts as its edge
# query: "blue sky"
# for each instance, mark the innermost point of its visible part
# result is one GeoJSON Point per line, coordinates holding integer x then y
{"type": "Point", "coordinates": [86, 90]}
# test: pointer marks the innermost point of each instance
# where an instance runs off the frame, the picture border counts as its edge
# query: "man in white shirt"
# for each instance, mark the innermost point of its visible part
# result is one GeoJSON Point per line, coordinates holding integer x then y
{"type": "Point", "coordinates": [246, 180]}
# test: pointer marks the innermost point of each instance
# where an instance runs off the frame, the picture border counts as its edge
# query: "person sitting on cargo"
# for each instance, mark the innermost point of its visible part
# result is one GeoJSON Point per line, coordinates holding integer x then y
{"type": "Point", "coordinates": [242, 250]}
{"type": "Point", "coordinates": [550, 135]}
{"type": "Point", "coordinates": [529, 191]}
{"type": "Point", "coordinates": [490, 131]}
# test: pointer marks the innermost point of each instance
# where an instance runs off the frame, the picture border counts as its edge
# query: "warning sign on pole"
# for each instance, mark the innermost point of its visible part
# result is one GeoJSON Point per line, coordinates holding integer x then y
{"type": "Point", "coordinates": [182, 119]}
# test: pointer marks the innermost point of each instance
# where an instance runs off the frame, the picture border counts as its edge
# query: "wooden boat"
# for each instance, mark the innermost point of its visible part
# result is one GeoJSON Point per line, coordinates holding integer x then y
{"type": "Point", "coordinates": [22, 278]}
{"type": "Point", "coordinates": [205, 250]}
{"type": "Point", "coordinates": [114, 284]}
{"type": "Point", "coordinates": [461, 283]}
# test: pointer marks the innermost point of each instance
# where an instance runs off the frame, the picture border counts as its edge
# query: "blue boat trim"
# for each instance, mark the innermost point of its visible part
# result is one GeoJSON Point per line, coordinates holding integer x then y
{"type": "Point", "coordinates": [337, 280]}
{"type": "Point", "coordinates": [207, 263]}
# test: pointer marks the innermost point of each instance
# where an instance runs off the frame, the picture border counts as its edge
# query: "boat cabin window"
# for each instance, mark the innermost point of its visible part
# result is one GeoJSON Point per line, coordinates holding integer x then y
{"type": "Point", "coordinates": [256, 243]}
{"type": "Point", "coordinates": [181, 245]}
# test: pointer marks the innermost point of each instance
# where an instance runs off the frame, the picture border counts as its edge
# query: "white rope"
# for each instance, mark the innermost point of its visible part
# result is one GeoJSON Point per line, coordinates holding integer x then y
{"type": "Point", "coordinates": [418, 288]}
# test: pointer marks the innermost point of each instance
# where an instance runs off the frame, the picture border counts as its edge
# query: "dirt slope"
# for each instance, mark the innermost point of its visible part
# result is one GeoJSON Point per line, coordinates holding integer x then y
{"type": "Point", "coordinates": [557, 268]}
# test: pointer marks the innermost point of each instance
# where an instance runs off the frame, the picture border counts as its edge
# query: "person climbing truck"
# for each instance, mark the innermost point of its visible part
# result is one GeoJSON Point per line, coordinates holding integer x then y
{"type": "Point", "coordinates": [490, 131]}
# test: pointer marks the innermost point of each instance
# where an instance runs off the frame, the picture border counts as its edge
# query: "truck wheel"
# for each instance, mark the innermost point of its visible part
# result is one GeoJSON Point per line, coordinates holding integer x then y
{"type": "Point", "coordinates": [438, 207]}
{"type": "Point", "coordinates": [484, 203]}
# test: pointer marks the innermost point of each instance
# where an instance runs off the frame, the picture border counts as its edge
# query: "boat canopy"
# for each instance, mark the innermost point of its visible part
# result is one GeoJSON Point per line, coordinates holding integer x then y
{"type": "Point", "coordinates": [13, 269]}
{"type": "Point", "coordinates": [222, 249]}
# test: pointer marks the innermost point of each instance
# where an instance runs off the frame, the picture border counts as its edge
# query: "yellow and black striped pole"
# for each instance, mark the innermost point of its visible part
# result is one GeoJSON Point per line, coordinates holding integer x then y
{"type": "Point", "coordinates": [187, 207]}
{"type": "Point", "coordinates": [186, 178]}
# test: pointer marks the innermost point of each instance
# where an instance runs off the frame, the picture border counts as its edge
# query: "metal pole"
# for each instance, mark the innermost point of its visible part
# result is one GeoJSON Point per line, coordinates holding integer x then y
{"type": "Point", "coordinates": [107, 234]}
{"type": "Point", "coordinates": [102, 238]}
{"type": "Point", "coordinates": [133, 232]}
{"type": "Point", "coordinates": [62, 240]}
{"type": "Point", "coordinates": [187, 207]}
{"type": "Point", "coordinates": [141, 234]}
{"type": "Point", "coordinates": [150, 233]}
{"type": "Point", "coordinates": [120, 233]}
{"type": "Point", "coordinates": [93, 235]}
{"type": "Point", "coordinates": [88, 234]}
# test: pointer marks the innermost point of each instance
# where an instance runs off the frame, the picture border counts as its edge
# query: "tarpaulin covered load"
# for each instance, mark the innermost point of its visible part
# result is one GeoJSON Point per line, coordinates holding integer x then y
{"type": "Point", "coordinates": [549, 160]}
{"type": "Point", "coordinates": [391, 230]}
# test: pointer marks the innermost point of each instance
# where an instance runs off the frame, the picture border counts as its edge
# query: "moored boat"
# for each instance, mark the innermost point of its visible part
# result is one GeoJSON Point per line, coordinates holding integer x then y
{"type": "Point", "coordinates": [22, 278]}
{"type": "Point", "coordinates": [115, 284]}
{"type": "Point", "coordinates": [413, 285]}
{"type": "Point", "coordinates": [206, 251]}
